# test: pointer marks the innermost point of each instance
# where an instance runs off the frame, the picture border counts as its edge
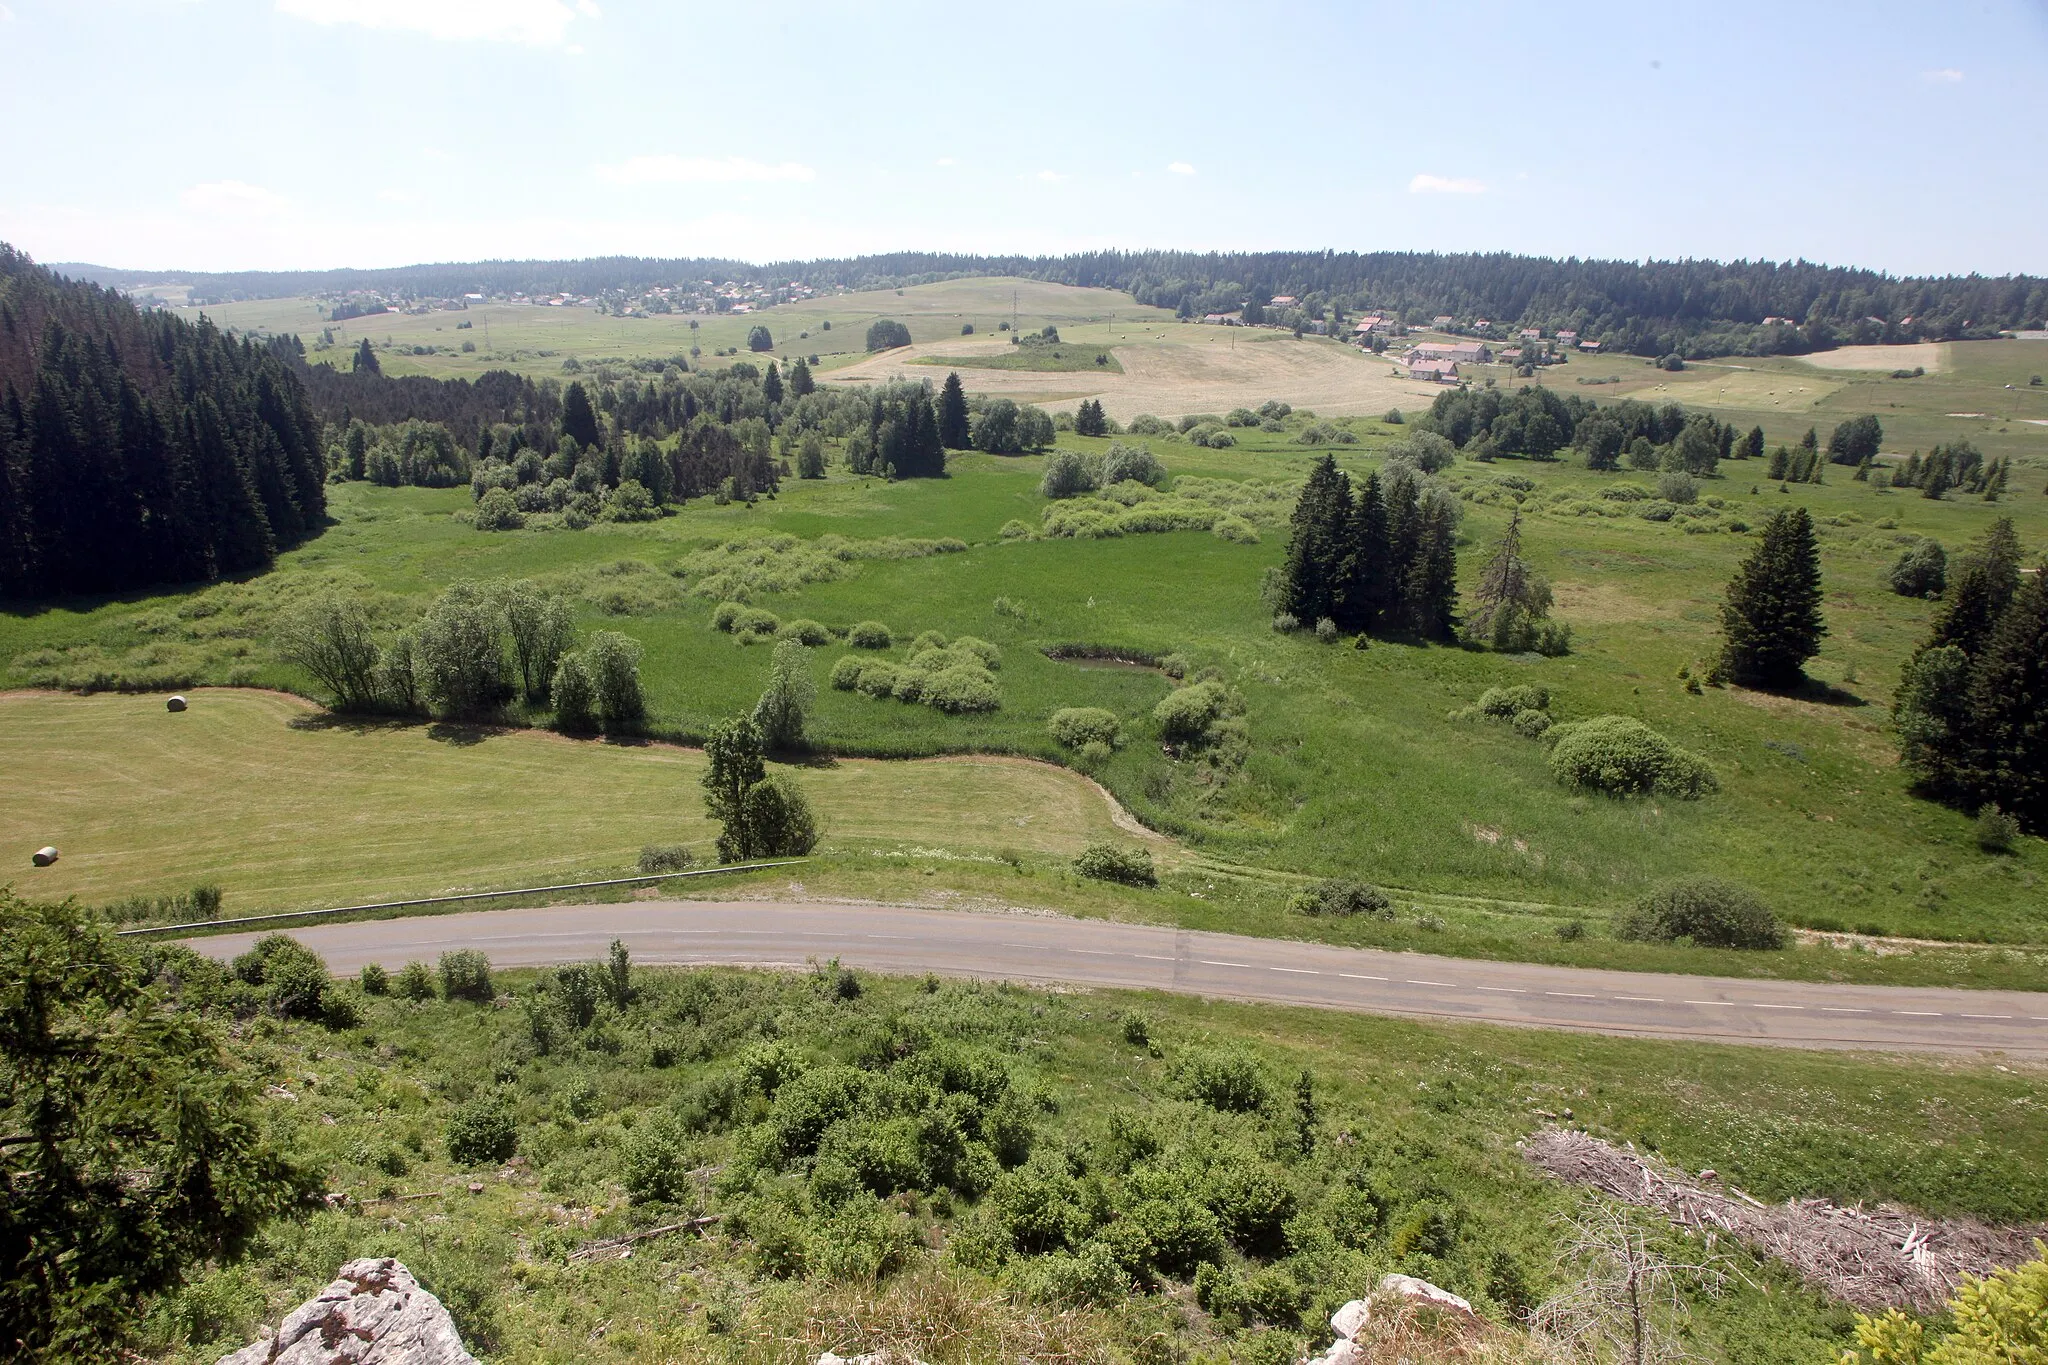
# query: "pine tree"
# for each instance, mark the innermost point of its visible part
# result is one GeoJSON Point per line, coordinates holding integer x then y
{"type": "Point", "coordinates": [1430, 591]}
{"type": "Point", "coordinates": [579, 421]}
{"type": "Point", "coordinates": [366, 359]}
{"type": "Point", "coordinates": [1979, 591]}
{"type": "Point", "coordinates": [1367, 598]}
{"type": "Point", "coordinates": [1753, 444]}
{"type": "Point", "coordinates": [771, 384]}
{"type": "Point", "coordinates": [953, 428]}
{"type": "Point", "coordinates": [1771, 620]}
{"type": "Point", "coordinates": [2008, 710]}
{"type": "Point", "coordinates": [1312, 575]}
{"type": "Point", "coordinates": [800, 381]}
{"type": "Point", "coordinates": [1781, 464]}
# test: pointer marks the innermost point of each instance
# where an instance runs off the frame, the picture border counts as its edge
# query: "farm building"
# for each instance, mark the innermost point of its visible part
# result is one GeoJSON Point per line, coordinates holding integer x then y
{"type": "Point", "coordinates": [1441, 321]}
{"type": "Point", "coordinates": [1567, 338]}
{"type": "Point", "coordinates": [1532, 334]}
{"type": "Point", "coordinates": [1223, 319]}
{"type": "Point", "coordinates": [1590, 347]}
{"type": "Point", "coordinates": [1437, 371]}
{"type": "Point", "coordinates": [1461, 352]}
{"type": "Point", "coordinates": [1283, 301]}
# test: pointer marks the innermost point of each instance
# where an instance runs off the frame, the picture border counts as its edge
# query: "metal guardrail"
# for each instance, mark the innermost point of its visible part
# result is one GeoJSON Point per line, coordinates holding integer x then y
{"type": "Point", "coordinates": [449, 900]}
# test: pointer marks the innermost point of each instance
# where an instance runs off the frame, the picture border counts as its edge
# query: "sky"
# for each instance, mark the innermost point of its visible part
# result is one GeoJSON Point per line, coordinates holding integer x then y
{"type": "Point", "coordinates": [301, 134]}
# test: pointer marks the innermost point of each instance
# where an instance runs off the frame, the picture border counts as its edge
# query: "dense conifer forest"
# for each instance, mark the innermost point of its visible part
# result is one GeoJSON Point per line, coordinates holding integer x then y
{"type": "Point", "coordinates": [1650, 308]}
{"type": "Point", "coordinates": [138, 449]}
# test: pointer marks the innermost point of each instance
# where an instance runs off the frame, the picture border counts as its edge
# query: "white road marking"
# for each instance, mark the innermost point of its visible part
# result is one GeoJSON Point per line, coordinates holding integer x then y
{"type": "Point", "coordinates": [1724, 1004]}
{"type": "Point", "coordinates": [1354, 976]}
{"type": "Point", "coordinates": [1150, 957]}
{"type": "Point", "coordinates": [1920, 1014]}
{"type": "Point", "coordinates": [1095, 952]}
{"type": "Point", "coordinates": [907, 938]}
{"type": "Point", "coordinates": [1504, 990]}
{"type": "Point", "coordinates": [1841, 1009]}
{"type": "Point", "coordinates": [1298, 971]}
{"type": "Point", "coordinates": [1987, 1016]}
{"type": "Point", "coordinates": [1756, 1006]}
{"type": "Point", "coordinates": [1445, 984]}
{"type": "Point", "coordinates": [1642, 999]}
{"type": "Point", "coordinates": [1572, 995]}
{"type": "Point", "coordinates": [1211, 962]}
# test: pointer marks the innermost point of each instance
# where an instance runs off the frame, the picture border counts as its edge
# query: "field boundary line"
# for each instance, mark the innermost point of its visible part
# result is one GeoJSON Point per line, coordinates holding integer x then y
{"type": "Point", "coordinates": [447, 900]}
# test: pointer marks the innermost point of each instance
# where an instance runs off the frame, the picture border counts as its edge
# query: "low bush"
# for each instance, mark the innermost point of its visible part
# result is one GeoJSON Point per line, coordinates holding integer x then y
{"type": "Point", "coordinates": [1505, 703]}
{"type": "Point", "coordinates": [805, 632]}
{"type": "Point", "coordinates": [466, 975]}
{"type": "Point", "coordinates": [481, 1133]}
{"type": "Point", "coordinates": [961, 689]}
{"type": "Point", "coordinates": [415, 982]}
{"type": "Point", "coordinates": [665, 858]}
{"type": "Point", "coordinates": [870, 635]}
{"type": "Point", "coordinates": [1106, 862]}
{"type": "Point", "coordinates": [847, 672]}
{"type": "Point", "coordinates": [375, 980]}
{"type": "Point", "coordinates": [1921, 571]}
{"type": "Point", "coordinates": [1187, 712]}
{"type": "Point", "coordinates": [1124, 463]}
{"type": "Point", "coordinates": [1074, 726]}
{"type": "Point", "coordinates": [1228, 1078]}
{"type": "Point", "coordinates": [1622, 756]}
{"type": "Point", "coordinates": [1707, 910]}
{"type": "Point", "coordinates": [1996, 831]}
{"type": "Point", "coordinates": [726, 614]}
{"type": "Point", "coordinates": [1340, 897]}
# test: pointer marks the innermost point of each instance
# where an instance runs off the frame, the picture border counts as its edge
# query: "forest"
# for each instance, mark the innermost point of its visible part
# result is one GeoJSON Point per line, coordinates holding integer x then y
{"type": "Point", "coordinates": [1691, 308]}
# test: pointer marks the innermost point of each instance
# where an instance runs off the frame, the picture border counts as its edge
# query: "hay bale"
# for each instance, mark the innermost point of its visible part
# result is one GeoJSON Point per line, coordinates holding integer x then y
{"type": "Point", "coordinates": [175, 704]}
{"type": "Point", "coordinates": [44, 856]}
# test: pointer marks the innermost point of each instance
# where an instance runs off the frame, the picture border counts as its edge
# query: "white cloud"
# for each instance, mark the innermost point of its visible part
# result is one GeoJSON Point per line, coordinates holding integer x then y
{"type": "Point", "coordinates": [1050, 177]}
{"type": "Point", "coordinates": [946, 161]}
{"type": "Point", "coordinates": [1180, 168]}
{"type": "Point", "coordinates": [389, 196]}
{"type": "Point", "coordinates": [233, 199]}
{"type": "Point", "coordinates": [589, 9]}
{"type": "Point", "coordinates": [1438, 184]}
{"type": "Point", "coordinates": [1947, 75]}
{"type": "Point", "coordinates": [540, 23]}
{"type": "Point", "coordinates": [6, 15]}
{"type": "Point", "coordinates": [700, 170]}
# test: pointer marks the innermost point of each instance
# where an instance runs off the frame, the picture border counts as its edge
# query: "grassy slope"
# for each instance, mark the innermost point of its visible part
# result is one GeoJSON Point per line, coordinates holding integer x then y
{"type": "Point", "coordinates": [1428, 1112]}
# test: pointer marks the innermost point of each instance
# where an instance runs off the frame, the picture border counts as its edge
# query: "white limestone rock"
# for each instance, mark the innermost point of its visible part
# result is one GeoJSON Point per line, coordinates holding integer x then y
{"type": "Point", "coordinates": [374, 1314]}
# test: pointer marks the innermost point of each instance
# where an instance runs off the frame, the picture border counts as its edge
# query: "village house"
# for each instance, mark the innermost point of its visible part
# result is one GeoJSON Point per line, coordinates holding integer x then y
{"type": "Point", "coordinates": [1532, 334]}
{"type": "Point", "coordinates": [1567, 338]}
{"type": "Point", "coordinates": [1283, 301]}
{"type": "Point", "coordinates": [1223, 319]}
{"type": "Point", "coordinates": [1460, 352]}
{"type": "Point", "coordinates": [1590, 347]}
{"type": "Point", "coordinates": [1441, 321]}
{"type": "Point", "coordinates": [1434, 370]}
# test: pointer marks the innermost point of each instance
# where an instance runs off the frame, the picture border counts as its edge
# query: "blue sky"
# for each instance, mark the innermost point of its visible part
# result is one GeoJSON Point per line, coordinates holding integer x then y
{"type": "Point", "coordinates": [266, 134]}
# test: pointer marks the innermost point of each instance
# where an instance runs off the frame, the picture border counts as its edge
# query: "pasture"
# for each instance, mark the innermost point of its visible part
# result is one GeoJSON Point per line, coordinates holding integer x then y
{"type": "Point", "coordinates": [1357, 765]}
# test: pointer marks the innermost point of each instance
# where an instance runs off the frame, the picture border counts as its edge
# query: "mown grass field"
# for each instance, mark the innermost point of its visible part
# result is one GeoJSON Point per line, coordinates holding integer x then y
{"type": "Point", "coordinates": [1356, 766]}
{"type": "Point", "coordinates": [1424, 1117]}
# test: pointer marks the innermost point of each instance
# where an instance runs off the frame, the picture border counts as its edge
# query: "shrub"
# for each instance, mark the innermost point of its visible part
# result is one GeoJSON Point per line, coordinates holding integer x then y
{"type": "Point", "coordinates": [991, 657]}
{"type": "Point", "coordinates": [1229, 1079]}
{"type": "Point", "coordinates": [466, 975]}
{"type": "Point", "coordinates": [1136, 1028]}
{"type": "Point", "coordinates": [1068, 474]}
{"type": "Point", "coordinates": [481, 1133]}
{"type": "Point", "coordinates": [498, 510]}
{"type": "Point", "coordinates": [1505, 703]}
{"type": "Point", "coordinates": [1677, 486]}
{"type": "Point", "coordinates": [1711, 912]}
{"type": "Point", "coordinates": [877, 678]}
{"type": "Point", "coordinates": [293, 976]}
{"type": "Point", "coordinates": [1285, 622]}
{"type": "Point", "coordinates": [1921, 571]}
{"type": "Point", "coordinates": [846, 673]}
{"type": "Point", "coordinates": [657, 1168]}
{"type": "Point", "coordinates": [1622, 756]}
{"type": "Point", "coordinates": [726, 615]}
{"type": "Point", "coordinates": [416, 982]}
{"type": "Point", "coordinates": [1531, 724]}
{"type": "Point", "coordinates": [805, 632]}
{"type": "Point", "coordinates": [575, 696]}
{"type": "Point", "coordinates": [1013, 529]}
{"type": "Point", "coordinates": [1074, 726]}
{"type": "Point", "coordinates": [756, 621]}
{"type": "Point", "coordinates": [1124, 463]}
{"type": "Point", "coordinates": [870, 635]}
{"type": "Point", "coordinates": [1187, 712]}
{"type": "Point", "coordinates": [665, 858]}
{"type": "Point", "coordinates": [779, 817]}
{"type": "Point", "coordinates": [1426, 450]}
{"type": "Point", "coordinates": [1340, 896]}
{"type": "Point", "coordinates": [962, 688]}
{"type": "Point", "coordinates": [1996, 831]}
{"type": "Point", "coordinates": [376, 981]}
{"type": "Point", "coordinates": [1106, 862]}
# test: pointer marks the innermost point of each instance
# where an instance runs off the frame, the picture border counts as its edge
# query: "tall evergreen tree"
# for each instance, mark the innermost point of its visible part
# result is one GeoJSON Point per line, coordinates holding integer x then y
{"type": "Point", "coordinates": [1771, 620]}
{"type": "Point", "coordinates": [579, 420]}
{"type": "Point", "coordinates": [800, 380]}
{"type": "Point", "coordinates": [2008, 709]}
{"type": "Point", "coordinates": [1430, 590]}
{"type": "Point", "coordinates": [1979, 591]}
{"type": "Point", "coordinates": [1312, 577]}
{"type": "Point", "coordinates": [771, 384]}
{"type": "Point", "coordinates": [1753, 444]}
{"type": "Point", "coordinates": [366, 359]}
{"type": "Point", "coordinates": [1368, 595]}
{"type": "Point", "coordinates": [953, 426]}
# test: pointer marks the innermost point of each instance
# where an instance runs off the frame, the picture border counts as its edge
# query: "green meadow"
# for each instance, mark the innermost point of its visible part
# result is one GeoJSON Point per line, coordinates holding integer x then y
{"type": "Point", "coordinates": [1357, 764]}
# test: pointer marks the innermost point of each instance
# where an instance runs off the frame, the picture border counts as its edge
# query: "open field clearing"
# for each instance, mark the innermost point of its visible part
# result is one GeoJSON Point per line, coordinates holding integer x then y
{"type": "Point", "coordinates": [258, 793]}
{"type": "Point", "coordinates": [1932, 356]}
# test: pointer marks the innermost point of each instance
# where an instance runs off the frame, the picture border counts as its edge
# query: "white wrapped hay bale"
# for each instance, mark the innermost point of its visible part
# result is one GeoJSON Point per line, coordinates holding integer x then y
{"type": "Point", "coordinates": [175, 704]}
{"type": "Point", "coordinates": [44, 856]}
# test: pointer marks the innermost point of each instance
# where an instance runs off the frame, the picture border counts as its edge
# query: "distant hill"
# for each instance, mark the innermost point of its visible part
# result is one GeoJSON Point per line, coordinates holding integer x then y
{"type": "Point", "coordinates": [1693, 308]}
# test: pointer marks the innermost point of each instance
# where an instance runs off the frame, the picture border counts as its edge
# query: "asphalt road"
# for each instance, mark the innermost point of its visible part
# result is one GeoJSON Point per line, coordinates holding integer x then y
{"type": "Point", "coordinates": [1035, 948]}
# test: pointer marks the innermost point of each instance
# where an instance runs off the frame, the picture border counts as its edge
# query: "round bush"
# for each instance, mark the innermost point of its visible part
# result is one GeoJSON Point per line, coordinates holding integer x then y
{"type": "Point", "coordinates": [1622, 756]}
{"type": "Point", "coordinates": [870, 635]}
{"type": "Point", "coordinates": [481, 1133]}
{"type": "Point", "coordinates": [756, 621]}
{"type": "Point", "coordinates": [1505, 703]}
{"type": "Point", "coordinates": [962, 688]}
{"type": "Point", "coordinates": [726, 614]}
{"type": "Point", "coordinates": [846, 673]}
{"type": "Point", "coordinates": [1229, 1079]}
{"type": "Point", "coordinates": [877, 679]}
{"type": "Point", "coordinates": [665, 858]}
{"type": "Point", "coordinates": [466, 975]}
{"type": "Point", "coordinates": [1186, 713]}
{"type": "Point", "coordinates": [991, 657]}
{"type": "Point", "coordinates": [498, 510]}
{"type": "Point", "coordinates": [1707, 910]}
{"type": "Point", "coordinates": [1531, 724]}
{"type": "Point", "coordinates": [927, 639]}
{"type": "Point", "coordinates": [1107, 862]}
{"type": "Point", "coordinates": [1074, 726]}
{"type": "Point", "coordinates": [1013, 529]}
{"type": "Point", "coordinates": [805, 633]}
{"type": "Point", "coordinates": [1340, 896]}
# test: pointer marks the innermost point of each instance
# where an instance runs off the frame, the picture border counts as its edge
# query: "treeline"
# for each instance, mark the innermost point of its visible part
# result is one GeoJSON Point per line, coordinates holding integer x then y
{"type": "Point", "coordinates": [1649, 308]}
{"type": "Point", "coordinates": [1971, 711]}
{"type": "Point", "coordinates": [138, 449]}
{"type": "Point", "coordinates": [1381, 562]}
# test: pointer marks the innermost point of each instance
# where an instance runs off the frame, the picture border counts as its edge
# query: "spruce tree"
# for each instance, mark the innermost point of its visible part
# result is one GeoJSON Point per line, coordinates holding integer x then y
{"type": "Point", "coordinates": [1430, 592]}
{"type": "Point", "coordinates": [1753, 444]}
{"type": "Point", "coordinates": [1780, 465]}
{"type": "Point", "coordinates": [2008, 710]}
{"type": "Point", "coordinates": [800, 381]}
{"type": "Point", "coordinates": [1771, 620]}
{"type": "Point", "coordinates": [1313, 573]}
{"type": "Point", "coordinates": [366, 359]}
{"type": "Point", "coordinates": [1368, 583]}
{"type": "Point", "coordinates": [579, 420]}
{"type": "Point", "coordinates": [953, 428]}
{"type": "Point", "coordinates": [771, 384]}
{"type": "Point", "coordinates": [1979, 590]}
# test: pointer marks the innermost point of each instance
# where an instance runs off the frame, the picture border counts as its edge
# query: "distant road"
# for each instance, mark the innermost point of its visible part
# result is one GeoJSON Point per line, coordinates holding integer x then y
{"type": "Point", "coordinates": [1023, 947]}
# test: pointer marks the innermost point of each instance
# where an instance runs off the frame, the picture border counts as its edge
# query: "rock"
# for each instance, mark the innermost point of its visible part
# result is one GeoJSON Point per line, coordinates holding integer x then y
{"type": "Point", "coordinates": [1342, 1352]}
{"type": "Point", "coordinates": [44, 856]}
{"type": "Point", "coordinates": [1346, 1321]}
{"type": "Point", "coordinates": [175, 704]}
{"type": "Point", "coordinates": [374, 1314]}
{"type": "Point", "coordinates": [1408, 1287]}
{"type": "Point", "coordinates": [882, 1357]}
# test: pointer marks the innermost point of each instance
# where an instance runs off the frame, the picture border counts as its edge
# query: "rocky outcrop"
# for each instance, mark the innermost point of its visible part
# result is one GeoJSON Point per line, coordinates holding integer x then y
{"type": "Point", "coordinates": [1365, 1326]}
{"type": "Point", "coordinates": [374, 1314]}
